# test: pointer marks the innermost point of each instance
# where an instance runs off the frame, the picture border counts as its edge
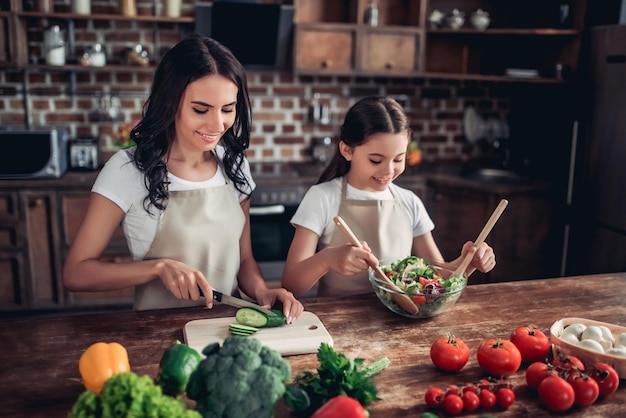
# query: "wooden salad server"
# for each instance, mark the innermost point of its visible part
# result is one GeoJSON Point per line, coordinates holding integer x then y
{"type": "Point", "coordinates": [400, 298]}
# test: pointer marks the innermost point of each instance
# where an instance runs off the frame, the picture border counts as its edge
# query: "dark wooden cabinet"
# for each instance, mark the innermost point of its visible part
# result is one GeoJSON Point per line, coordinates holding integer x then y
{"type": "Point", "coordinates": [38, 220]}
{"type": "Point", "coordinates": [522, 238]}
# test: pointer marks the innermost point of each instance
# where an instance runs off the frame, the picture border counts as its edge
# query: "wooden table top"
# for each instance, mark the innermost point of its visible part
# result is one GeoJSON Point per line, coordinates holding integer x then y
{"type": "Point", "coordinates": [39, 356]}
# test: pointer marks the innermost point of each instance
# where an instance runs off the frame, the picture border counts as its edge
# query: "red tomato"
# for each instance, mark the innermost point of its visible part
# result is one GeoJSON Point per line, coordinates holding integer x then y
{"type": "Point", "coordinates": [452, 404]}
{"type": "Point", "coordinates": [556, 394]}
{"type": "Point", "coordinates": [433, 396]}
{"type": "Point", "coordinates": [499, 357]}
{"type": "Point", "coordinates": [567, 362]}
{"type": "Point", "coordinates": [471, 401]}
{"type": "Point", "coordinates": [505, 397]}
{"type": "Point", "coordinates": [606, 377]}
{"type": "Point", "coordinates": [532, 343]}
{"type": "Point", "coordinates": [419, 299]}
{"type": "Point", "coordinates": [487, 398]}
{"type": "Point", "coordinates": [449, 354]}
{"type": "Point", "coordinates": [536, 372]}
{"type": "Point", "coordinates": [585, 388]}
{"type": "Point", "coordinates": [341, 406]}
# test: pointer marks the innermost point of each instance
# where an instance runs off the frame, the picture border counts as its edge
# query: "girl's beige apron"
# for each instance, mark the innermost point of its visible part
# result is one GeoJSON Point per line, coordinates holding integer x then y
{"type": "Point", "coordinates": [200, 228]}
{"type": "Point", "coordinates": [385, 226]}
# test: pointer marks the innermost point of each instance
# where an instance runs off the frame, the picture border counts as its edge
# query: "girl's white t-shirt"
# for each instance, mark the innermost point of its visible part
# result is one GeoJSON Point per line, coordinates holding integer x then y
{"type": "Point", "coordinates": [121, 182]}
{"type": "Point", "coordinates": [321, 204]}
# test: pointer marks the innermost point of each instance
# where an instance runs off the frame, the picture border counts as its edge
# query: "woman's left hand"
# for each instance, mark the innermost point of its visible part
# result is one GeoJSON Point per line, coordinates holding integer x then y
{"type": "Point", "coordinates": [292, 308]}
{"type": "Point", "coordinates": [484, 259]}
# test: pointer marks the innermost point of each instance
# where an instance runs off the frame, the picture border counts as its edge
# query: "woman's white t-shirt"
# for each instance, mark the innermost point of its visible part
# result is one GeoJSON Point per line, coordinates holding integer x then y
{"type": "Point", "coordinates": [321, 204]}
{"type": "Point", "coordinates": [121, 182]}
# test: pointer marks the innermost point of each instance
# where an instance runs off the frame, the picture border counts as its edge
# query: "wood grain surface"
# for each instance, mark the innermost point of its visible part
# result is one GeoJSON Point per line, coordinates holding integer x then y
{"type": "Point", "coordinates": [39, 356]}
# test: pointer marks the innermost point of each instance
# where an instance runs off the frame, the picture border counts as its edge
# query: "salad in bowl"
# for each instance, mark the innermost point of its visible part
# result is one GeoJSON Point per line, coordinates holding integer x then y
{"type": "Point", "coordinates": [432, 287]}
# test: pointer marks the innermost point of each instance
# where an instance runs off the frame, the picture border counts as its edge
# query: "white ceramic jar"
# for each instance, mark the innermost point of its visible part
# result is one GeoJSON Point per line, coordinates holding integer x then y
{"type": "Point", "coordinates": [81, 7]}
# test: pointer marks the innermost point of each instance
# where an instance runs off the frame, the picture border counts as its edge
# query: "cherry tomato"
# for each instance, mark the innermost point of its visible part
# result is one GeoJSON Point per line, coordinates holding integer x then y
{"type": "Point", "coordinates": [505, 397]}
{"type": "Point", "coordinates": [532, 343]}
{"type": "Point", "coordinates": [487, 399]}
{"type": "Point", "coordinates": [556, 394]}
{"type": "Point", "coordinates": [499, 357]}
{"type": "Point", "coordinates": [536, 372]}
{"type": "Point", "coordinates": [606, 377]}
{"type": "Point", "coordinates": [586, 389]}
{"type": "Point", "coordinates": [453, 390]}
{"type": "Point", "coordinates": [433, 396]}
{"type": "Point", "coordinates": [471, 401]}
{"type": "Point", "coordinates": [452, 404]}
{"type": "Point", "coordinates": [567, 362]}
{"type": "Point", "coordinates": [449, 354]}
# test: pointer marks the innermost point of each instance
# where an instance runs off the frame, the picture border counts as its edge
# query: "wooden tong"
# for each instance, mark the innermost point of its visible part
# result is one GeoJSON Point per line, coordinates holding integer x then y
{"type": "Point", "coordinates": [400, 298]}
{"type": "Point", "coordinates": [481, 237]}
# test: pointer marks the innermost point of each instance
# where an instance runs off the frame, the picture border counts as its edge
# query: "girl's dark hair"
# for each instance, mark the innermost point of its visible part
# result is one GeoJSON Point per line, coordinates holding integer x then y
{"type": "Point", "coordinates": [189, 60]}
{"type": "Point", "coordinates": [369, 116]}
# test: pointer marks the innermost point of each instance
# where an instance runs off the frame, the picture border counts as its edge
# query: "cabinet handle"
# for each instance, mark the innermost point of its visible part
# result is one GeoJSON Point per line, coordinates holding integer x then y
{"type": "Point", "coordinates": [37, 203]}
{"type": "Point", "coordinates": [389, 65]}
{"type": "Point", "coordinates": [326, 63]}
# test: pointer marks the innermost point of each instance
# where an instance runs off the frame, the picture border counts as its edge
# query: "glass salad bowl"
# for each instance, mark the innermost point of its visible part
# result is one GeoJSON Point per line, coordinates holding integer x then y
{"type": "Point", "coordinates": [430, 286]}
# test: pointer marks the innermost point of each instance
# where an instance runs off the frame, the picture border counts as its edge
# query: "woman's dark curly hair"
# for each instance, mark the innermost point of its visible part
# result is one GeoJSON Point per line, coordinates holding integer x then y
{"type": "Point", "coordinates": [369, 116]}
{"type": "Point", "coordinates": [191, 59]}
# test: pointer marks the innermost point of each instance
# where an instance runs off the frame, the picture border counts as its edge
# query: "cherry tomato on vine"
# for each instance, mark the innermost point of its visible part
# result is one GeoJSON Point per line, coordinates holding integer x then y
{"type": "Point", "coordinates": [536, 372]}
{"type": "Point", "coordinates": [433, 396]}
{"type": "Point", "coordinates": [606, 377]}
{"type": "Point", "coordinates": [505, 397]}
{"type": "Point", "coordinates": [499, 357]}
{"type": "Point", "coordinates": [586, 389]}
{"type": "Point", "coordinates": [487, 398]}
{"type": "Point", "coordinates": [567, 362]}
{"type": "Point", "coordinates": [532, 343]}
{"type": "Point", "coordinates": [471, 401]}
{"type": "Point", "coordinates": [452, 404]}
{"type": "Point", "coordinates": [449, 354]}
{"type": "Point", "coordinates": [556, 394]}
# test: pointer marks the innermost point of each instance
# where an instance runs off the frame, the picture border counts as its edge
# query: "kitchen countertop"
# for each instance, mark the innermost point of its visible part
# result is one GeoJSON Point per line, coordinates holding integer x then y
{"type": "Point", "coordinates": [39, 357]}
{"type": "Point", "coordinates": [305, 174]}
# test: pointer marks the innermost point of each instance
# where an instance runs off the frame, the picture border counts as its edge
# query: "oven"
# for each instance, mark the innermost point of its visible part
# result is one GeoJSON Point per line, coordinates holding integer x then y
{"type": "Point", "coordinates": [271, 209]}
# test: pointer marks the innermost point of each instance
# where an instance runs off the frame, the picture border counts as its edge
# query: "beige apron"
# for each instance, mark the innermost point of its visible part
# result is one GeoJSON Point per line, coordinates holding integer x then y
{"type": "Point", "coordinates": [385, 226]}
{"type": "Point", "coordinates": [200, 228]}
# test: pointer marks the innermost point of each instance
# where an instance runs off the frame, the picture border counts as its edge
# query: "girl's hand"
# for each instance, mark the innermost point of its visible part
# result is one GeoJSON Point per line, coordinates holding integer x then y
{"type": "Point", "coordinates": [183, 281]}
{"type": "Point", "coordinates": [484, 259]}
{"type": "Point", "coordinates": [348, 260]}
{"type": "Point", "coordinates": [292, 308]}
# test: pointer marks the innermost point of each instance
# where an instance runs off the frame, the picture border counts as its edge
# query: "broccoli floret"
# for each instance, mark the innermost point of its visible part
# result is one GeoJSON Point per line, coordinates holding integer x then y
{"type": "Point", "coordinates": [243, 379]}
{"type": "Point", "coordinates": [131, 396]}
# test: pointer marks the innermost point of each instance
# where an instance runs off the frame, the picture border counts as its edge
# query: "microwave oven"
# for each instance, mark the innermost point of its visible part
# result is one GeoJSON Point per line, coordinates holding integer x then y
{"type": "Point", "coordinates": [36, 153]}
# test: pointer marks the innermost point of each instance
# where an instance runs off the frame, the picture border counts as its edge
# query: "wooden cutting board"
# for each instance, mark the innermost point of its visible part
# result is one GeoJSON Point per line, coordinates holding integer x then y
{"type": "Point", "coordinates": [304, 336]}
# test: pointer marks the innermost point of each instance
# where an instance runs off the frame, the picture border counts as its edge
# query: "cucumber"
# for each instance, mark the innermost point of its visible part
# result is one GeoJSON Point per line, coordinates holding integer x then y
{"type": "Point", "coordinates": [255, 318]}
{"type": "Point", "coordinates": [243, 330]}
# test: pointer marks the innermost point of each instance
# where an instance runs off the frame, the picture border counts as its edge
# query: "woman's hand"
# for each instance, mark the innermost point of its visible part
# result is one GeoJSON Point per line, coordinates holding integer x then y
{"type": "Point", "coordinates": [292, 308]}
{"type": "Point", "coordinates": [183, 281]}
{"type": "Point", "coordinates": [484, 259]}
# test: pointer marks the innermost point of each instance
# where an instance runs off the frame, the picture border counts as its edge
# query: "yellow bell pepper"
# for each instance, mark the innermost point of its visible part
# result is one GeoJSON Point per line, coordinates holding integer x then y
{"type": "Point", "coordinates": [101, 361]}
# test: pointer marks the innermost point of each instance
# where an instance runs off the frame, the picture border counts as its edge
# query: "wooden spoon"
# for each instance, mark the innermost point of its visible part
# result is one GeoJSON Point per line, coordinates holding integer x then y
{"type": "Point", "coordinates": [481, 237]}
{"type": "Point", "coordinates": [400, 298]}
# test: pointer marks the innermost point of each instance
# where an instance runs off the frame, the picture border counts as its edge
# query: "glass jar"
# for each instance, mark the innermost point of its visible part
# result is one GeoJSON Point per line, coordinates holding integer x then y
{"type": "Point", "coordinates": [81, 7]}
{"type": "Point", "coordinates": [54, 46]}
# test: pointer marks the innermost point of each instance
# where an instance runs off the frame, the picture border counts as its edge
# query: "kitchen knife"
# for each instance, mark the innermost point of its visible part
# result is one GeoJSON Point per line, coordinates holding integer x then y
{"type": "Point", "coordinates": [239, 303]}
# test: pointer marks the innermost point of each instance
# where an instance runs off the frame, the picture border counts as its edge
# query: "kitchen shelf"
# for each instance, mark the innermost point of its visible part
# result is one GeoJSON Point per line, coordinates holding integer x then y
{"type": "Point", "coordinates": [108, 16]}
{"type": "Point", "coordinates": [333, 38]}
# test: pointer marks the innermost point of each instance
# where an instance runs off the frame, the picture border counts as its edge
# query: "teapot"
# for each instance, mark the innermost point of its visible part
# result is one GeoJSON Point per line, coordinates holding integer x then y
{"type": "Point", "coordinates": [480, 19]}
{"type": "Point", "coordinates": [456, 19]}
{"type": "Point", "coordinates": [436, 19]}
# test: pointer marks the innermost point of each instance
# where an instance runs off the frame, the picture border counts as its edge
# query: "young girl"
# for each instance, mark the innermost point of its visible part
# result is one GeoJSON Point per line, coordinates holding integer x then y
{"type": "Point", "coordinates": [358, 186]}
{"type": "Point", "coordinates": [181, 194]}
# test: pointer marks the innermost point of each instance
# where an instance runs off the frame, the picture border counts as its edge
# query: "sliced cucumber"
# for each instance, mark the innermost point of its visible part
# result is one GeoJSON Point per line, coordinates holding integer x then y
{"type": "Point", "coordinates": [243, 330]}
{"type": "Point", "coordinates": [255, 318]}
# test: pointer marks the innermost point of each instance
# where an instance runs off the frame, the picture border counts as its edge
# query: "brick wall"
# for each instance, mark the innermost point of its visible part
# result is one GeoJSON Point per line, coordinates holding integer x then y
{"type": "Point", "coordinates": [281, 130]}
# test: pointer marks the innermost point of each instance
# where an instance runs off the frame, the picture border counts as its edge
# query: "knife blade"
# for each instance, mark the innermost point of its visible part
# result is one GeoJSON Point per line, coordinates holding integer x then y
{"type": "Point", "coordinates": [239, 303]}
